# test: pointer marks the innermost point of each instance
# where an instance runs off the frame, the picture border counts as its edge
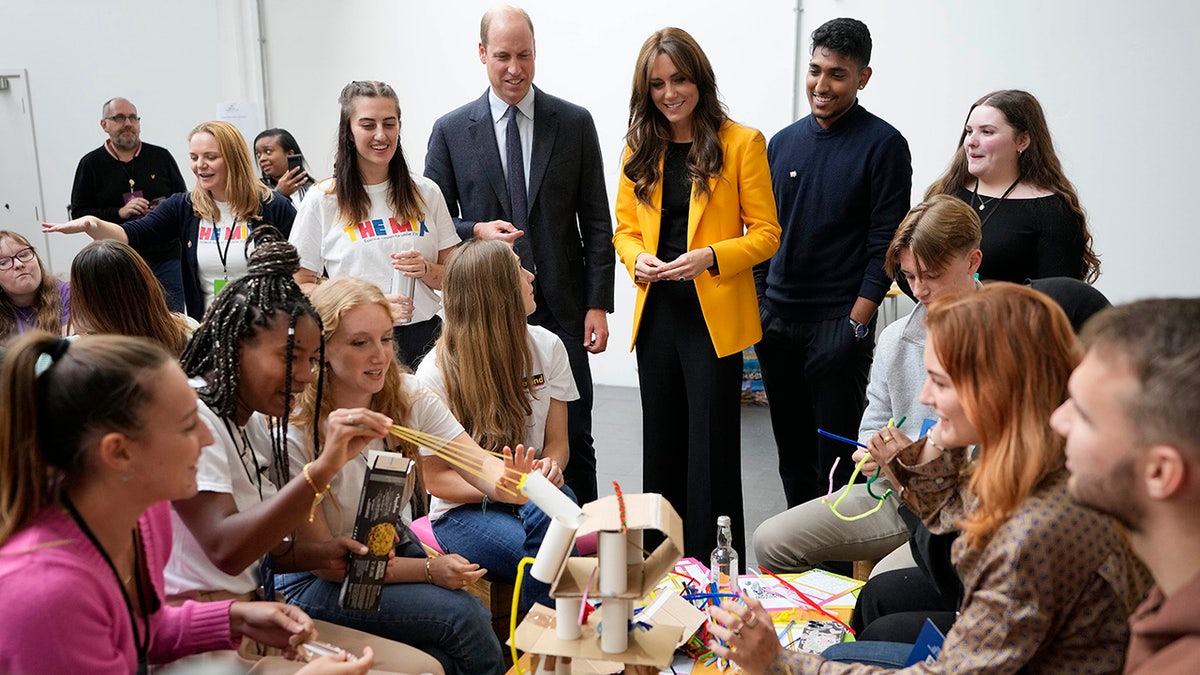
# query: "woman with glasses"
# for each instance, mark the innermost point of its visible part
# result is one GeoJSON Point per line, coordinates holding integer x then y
{"type": "Point", "coordinates": [29, 297]}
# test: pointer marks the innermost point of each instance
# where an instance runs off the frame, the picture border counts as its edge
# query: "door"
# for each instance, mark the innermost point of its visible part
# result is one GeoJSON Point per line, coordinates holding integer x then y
{"type": "Point", "coordinates": [21, 207]}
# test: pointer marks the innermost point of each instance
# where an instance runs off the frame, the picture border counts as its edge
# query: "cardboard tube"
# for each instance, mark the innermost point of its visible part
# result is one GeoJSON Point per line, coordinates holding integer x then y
{"type": "Point", "coordinates": [613, 555]}
{"type": "Point", "coordinates": [560, 536]}
{"type": "Point", "coordinates": [566, 618]}
{"type": "Point", "coordinates": [614, 631]}
{"type": "Point", "coordinates": [550, 499]}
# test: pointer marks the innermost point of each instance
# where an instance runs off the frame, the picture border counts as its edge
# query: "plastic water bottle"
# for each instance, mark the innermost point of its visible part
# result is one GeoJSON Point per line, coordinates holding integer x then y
{"type": "Point", "coordinates": [723, 564]}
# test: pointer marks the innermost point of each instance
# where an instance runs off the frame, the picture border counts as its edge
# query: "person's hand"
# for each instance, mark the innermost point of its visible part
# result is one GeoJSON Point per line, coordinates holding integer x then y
{"type": "Point", "coordinates": [883, 446]}
{"type": "Point", "coordinates": [134, 208]}
{"type": "Point", "coordinates": [550, 469]}
{"type": "Point", "coordinates": [291, 181]}
{"type": "Point", "coordinates": [520, 460]}
{"type": "Point", "coordinates": [748, 633]}
{"type": "Point", "coordinates": [595, 330]}
{"type": "Point", "coordinates": [687, 266]}
{"type": "Point", "coordinates": [340, 664]}
{"type": "Point", "coordinates": [497, 229]}
{"type": "Point", "coordinates": [410, 264]}
{"type": "Point", "coordinates": [272, 623]}
{"type": "Point", "coordinates": [402, 308]}
{"type": "Point", "coordinates": [81, 224]}
{"type": "Point", "coordinates": [348, 431]}
{"type": "Point", "coordinates": [453, 571]}
{"type": "Point", "coordinates": [646, 267]}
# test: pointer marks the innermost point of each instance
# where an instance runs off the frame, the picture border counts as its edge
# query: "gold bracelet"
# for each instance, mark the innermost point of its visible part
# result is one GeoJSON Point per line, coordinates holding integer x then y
{"type": "Point", "coordinates": [428, 575]}
{"type": "Point", "coordinates": [318, 495]}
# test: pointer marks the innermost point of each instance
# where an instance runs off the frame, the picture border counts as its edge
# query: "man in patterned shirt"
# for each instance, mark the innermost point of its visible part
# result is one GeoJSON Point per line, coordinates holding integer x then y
{"type": "Point", "coordinates": [1133, 449]}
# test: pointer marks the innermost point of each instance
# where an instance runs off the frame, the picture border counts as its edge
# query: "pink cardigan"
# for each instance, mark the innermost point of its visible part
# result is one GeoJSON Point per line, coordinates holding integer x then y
{"type": "Point", "coordinates": [62, 610]}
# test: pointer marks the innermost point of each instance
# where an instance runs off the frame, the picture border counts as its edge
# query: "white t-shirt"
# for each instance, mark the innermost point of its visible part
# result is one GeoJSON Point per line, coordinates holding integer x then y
{"type": "Point", "coordinates": [364, 250]}
{"type": "Point", "coordinates": [228, 467]}
{"type": "Point", "coordinates": [221, 252]}
{"type": "Point", "coordinates": [552, 379]}
{"type": "Point", "coordinates": [427, 414]}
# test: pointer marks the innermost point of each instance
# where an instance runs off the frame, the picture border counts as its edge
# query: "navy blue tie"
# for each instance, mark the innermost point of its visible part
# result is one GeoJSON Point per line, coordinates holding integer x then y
{"type": "Point", "coordinates": [518, 193]}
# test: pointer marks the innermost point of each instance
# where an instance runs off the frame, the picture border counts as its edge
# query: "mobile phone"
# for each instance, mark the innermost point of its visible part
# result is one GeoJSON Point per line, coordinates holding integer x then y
{"type": "Point", "coordinates": [295, 161]}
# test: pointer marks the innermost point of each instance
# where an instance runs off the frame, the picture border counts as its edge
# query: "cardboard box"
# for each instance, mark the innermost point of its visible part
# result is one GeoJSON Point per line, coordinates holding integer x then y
{"type": "Point", "coordinates": [386, 489]}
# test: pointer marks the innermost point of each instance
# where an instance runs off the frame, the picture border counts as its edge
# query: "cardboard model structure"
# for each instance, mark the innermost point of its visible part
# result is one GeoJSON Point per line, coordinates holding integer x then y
{"type": "Point", "coordinates": [618, 577]}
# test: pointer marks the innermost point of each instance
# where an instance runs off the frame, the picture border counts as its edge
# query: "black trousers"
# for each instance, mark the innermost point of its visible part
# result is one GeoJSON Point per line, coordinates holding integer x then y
{"type": "Point", "coordinates": [580, 474]}
{"type": "Point", "coordinates": [691, 418]}
{"type": "Point", "coordinates": [815, 375]}
{"type": "Point", "coordinates": [893, 606]}
{"type": "Point", "coordinates": [414, 340]}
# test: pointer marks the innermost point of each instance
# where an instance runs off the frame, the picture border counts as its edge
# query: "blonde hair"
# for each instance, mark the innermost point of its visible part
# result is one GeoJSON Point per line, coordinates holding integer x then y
{"type": "Point", "coordinates": [333, 300]}
{"type": "Point", "coordinates": [1009, 350]}
{"type": "Point", "coordinates": [483, 352]}
{"type": "Point", "coordinates": [935, 231]}
{"type": "Point", "coordinates": [243, 190]}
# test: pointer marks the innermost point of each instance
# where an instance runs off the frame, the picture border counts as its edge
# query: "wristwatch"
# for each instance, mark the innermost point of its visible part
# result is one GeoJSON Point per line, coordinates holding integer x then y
{"type": "Point", "coordinates": [860, 329]}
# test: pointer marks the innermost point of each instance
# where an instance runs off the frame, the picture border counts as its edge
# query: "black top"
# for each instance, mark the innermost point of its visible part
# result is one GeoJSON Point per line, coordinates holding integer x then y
{"type": "Point", "coordinates": [1028, 239]}
{"type": "Point", "coordinates": [101, 180]}
{"type": "Point", "coordinates": [676, 203]}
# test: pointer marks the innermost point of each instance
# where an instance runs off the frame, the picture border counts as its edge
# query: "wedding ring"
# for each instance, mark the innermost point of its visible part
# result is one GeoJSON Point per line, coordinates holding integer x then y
{"type": "Point", "coordinates": [350, 420]}
{"type": "Point", "coordinates": [887, 439]}
{"type": "Point", "coordinates": [682, 278]}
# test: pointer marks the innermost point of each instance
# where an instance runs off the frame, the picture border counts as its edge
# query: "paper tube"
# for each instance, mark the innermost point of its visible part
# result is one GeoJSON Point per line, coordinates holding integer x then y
{"type": "Point", "coordinates": [612, 550]}
{"type": "Point", "coordinates": [552, 501]}
{"type": "Point", "coordinates": [555, 548]}
{"type": "Point", "coordinates": [614, 630]}
{"type": "Point", "coordinates": [566, 618]}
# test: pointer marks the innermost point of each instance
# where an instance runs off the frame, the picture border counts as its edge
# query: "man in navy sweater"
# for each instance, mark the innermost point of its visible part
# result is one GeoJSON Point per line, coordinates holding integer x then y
{"type": "Point", "coordinates": [842, 179]}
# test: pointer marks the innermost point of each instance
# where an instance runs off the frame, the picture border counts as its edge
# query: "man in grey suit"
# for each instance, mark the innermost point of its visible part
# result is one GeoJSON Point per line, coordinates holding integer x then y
{"type": "Point", "coordinates": [558, 222]}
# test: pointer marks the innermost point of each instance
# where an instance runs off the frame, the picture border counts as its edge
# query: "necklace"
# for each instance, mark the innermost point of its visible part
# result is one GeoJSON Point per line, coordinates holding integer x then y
{"type": "Point", "coordinates": [141, 641]}
{"type": "Point", "coordinates": [982, 203]}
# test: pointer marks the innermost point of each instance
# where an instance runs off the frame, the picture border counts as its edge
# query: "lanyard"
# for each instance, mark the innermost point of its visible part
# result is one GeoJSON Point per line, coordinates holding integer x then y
{"type": "Point", "coordinates": [141, 642]}
{"type": "Point", "coordinates": [224, 255]}
{"type": "Point", "coordinates": [982, 204]}
{"type": "Point", "coordinates": [247, 449]}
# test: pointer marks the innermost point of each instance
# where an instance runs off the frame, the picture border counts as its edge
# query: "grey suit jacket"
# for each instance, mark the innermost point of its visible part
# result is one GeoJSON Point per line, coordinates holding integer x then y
{"type": "Point", "coordinates": [570, 225]}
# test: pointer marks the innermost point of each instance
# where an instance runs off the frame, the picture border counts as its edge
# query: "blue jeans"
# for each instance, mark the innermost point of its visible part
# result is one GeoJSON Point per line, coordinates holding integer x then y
{"type": "Point", "coordinates": [452, 626]}
{"type": "Point", "coordinates": [891, 655]}
{"type": "Point", "coordinates": [497, 539]}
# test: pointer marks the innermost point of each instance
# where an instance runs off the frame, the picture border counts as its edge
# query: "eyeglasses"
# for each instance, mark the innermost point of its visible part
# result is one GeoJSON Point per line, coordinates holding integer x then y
{"type": "Point", "coordinates": [24, 255]}
{"type": "Point", "coordinates": [121, 119]}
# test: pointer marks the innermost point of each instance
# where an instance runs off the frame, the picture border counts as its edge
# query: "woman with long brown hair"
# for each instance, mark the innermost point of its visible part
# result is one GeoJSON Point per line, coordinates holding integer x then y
{"type": "Point", "coordinates": [695, 213]}
{"type": "Point", "coordinates": [1006, 167]}
{"type": "Point", "coordinates": [117, 293]}
{"type": "Point", "coordinates": [377, 220]}
{"type": "Point", "coordinates": [1048, 584]}
{"type": "Point", "coordinates": [30, 297]}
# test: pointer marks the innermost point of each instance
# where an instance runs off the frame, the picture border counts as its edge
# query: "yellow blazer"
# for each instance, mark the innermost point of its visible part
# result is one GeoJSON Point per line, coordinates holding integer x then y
{"type": "Point", "coordinates": [738, 220]}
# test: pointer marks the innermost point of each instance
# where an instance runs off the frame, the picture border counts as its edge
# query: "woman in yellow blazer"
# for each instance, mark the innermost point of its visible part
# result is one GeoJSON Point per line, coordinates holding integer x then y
{"type": "Point", "coordinates": [695, 213]}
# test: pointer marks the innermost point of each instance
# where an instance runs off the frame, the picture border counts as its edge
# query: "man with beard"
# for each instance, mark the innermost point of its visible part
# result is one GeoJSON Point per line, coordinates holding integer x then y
{"type": "Point", "coordinates": [124, 179]}
{"type": "Point", "coordinates": [1133, 450]}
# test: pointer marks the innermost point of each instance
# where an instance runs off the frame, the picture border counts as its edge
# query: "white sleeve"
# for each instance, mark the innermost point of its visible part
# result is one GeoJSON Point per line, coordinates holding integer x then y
{"type": "Point", "coordinates": [213, 469]}
{"type": "Point", "coordinates": [559, 380]}
{"type": "Point", "coordinates": [308, 229]}
{"type": "Point", "coordinates": [437, 215]}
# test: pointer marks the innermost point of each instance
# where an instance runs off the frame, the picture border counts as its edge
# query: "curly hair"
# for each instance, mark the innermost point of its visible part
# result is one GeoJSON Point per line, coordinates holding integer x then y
{"type": "Point", "coordinates": [245, 307]}
{"type": "Point", "coordinates": [848, 37]}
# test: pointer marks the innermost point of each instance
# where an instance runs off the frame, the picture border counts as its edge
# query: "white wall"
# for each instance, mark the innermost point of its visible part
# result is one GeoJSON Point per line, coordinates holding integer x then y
{"type": "Point", "coordinates": [1115, 79]}
{"type": "Point", "coordinates": [80, 53]}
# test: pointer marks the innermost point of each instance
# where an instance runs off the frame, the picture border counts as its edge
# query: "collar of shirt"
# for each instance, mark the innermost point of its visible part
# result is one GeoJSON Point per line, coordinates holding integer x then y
{"type": "Point", "coordinates": [109, 146]}
{"type": "Point", "coordinates": [524, 123]}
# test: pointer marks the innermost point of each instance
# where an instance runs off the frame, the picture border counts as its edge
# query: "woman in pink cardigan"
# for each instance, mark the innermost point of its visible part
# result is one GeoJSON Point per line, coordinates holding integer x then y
{"type": "Point", "coordinates": [95, 436]}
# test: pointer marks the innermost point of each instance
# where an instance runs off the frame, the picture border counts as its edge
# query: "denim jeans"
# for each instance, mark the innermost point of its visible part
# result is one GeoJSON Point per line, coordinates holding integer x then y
{"type": "Point", "coordinates": [452, 626]}
{"type": "Point", "coordinates": [891, 655]}
{"type": "Point", "coordinates": [497, 539]}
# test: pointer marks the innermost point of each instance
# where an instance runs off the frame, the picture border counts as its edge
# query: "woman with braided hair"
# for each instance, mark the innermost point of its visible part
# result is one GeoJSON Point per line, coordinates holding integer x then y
{"type": "Point", "coordinates": [257, 347]}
